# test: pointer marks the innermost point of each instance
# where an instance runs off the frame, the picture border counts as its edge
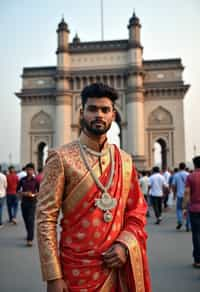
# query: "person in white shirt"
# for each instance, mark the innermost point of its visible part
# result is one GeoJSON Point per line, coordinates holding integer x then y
{"type": "Point", "coordinates": [3, 186]}
{"type": "Point", "coordinates": [144, 185]}
{"type": "Point", "coordinates": [166, 174]}
{"type": "Point", "coordinates": [157, 184]}
{"type": "Point", "coordinates": [22, 173]}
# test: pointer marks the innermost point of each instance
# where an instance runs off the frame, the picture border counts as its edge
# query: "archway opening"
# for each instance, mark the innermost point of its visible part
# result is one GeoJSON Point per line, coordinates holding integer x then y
{"type": "Point", "coordinates": [42, 154]}
{"type": "Point", "coordinates": [114, 133]}
{"type": "Point", "coordinates": [160, 153]}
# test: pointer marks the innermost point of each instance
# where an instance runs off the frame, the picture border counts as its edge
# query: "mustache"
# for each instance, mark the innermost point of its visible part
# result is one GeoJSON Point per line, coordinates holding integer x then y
{"type": "Point", "coordinates": [98, 121]}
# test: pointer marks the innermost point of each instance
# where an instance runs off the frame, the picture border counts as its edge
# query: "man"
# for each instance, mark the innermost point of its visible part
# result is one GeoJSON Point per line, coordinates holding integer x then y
{"type": "Point", "coordinates": [12, 199]}
{"type": "Point", "coordinates": [157, 184]}
{"type": "Point", "coordinates": [102, 246]}
{"type": "Point", "coordinates": [144, 185]}
{"type": "Point", "coordinates": [3, 186]}
{"type": "Point", "coordinates": [167, 176]}
{"type": "Point", "coordinates": [178, 184]}
{"type": "Point", "coordinates": [28, 188]}
{"type": "Point", "coordinates": [192, 196]}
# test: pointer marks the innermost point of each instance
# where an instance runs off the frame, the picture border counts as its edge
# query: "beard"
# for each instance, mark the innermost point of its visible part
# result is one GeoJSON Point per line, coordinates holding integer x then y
{"type": "Point", "coordinates": [93, 128]}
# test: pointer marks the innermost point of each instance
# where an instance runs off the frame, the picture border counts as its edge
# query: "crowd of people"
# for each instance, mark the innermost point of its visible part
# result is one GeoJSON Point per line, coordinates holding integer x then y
{"type": "Point", "coordinates": [161, 188]}
{"type": "Point", "coordinates": [22, 186]}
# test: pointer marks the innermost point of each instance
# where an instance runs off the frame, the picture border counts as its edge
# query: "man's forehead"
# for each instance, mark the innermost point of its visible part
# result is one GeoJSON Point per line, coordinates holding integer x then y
{"type": "Point", "coordinates": [99, 101]}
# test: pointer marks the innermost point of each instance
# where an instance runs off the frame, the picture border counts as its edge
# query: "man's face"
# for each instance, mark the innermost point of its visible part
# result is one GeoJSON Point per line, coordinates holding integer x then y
{"type": "Point", "coordinates": [97, 115]}
{"type": "Point", "coordinates": [29, 171]}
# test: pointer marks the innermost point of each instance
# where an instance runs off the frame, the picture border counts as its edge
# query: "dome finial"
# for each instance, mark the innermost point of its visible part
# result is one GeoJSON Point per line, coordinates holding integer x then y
{"type": "Point", "coordinates": [62, 26]}
{"type": "Point", "coordinates": [134, 20]}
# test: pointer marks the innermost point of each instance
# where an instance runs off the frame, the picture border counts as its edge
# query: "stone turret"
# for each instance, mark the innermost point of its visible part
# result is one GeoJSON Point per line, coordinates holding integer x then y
{"type": "Point", "coordinates": [135, 93]}
{"type": "Point", "coordinates": [63, 93]}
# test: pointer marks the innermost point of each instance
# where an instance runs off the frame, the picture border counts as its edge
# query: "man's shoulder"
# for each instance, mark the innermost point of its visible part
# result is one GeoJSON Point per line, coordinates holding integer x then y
{"type": "Point", "coordinates": [3, 176]}
{"type": "Point", "coordinates": [64, 149]}
{"type": "Point", "coordinates": [126, 157]}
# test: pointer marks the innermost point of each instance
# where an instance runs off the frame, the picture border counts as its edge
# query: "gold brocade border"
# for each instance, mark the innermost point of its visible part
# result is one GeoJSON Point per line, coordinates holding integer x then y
{"type": "Point", "coordinates": [77, 194]}
{"type": "Point", "coordinates": [110, 282]}
{"type": "Point", "coordinates": [126, 175]}
{"type": "Point", "coordinates": [135, 258]}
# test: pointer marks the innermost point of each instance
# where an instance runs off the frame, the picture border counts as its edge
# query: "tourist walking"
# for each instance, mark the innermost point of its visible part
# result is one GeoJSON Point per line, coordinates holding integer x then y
{"type": "Point", "coordinates": [157, 184]}
{"type": "Point", "coordinates": [3, 186]}
{"type": "Point", "coordinates": [12, 198]}
{"type": "Point", "coordinates": [144, 185]}
{"type": "Point", "coordinates": [166, 174]}
{"type": "Point", "coordinates": [28, 188]}
{"type": "Point", "coordinates": [192, 197]}
{"type": "Point", "coordinates": [178, 184]}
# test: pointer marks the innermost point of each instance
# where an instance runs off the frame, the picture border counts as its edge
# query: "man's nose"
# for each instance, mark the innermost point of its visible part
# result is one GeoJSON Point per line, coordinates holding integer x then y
{"type": "Point", "coordinates": [99, 113]}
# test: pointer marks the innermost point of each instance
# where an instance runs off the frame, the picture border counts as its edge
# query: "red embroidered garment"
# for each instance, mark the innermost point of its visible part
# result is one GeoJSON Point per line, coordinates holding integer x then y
{"type": "Point", "coordinates": [85, 235]}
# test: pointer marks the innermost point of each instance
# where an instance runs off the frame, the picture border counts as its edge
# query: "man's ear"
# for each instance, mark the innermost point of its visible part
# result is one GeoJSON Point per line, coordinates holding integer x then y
{"type": "Point", "coordinates": [114, 115]}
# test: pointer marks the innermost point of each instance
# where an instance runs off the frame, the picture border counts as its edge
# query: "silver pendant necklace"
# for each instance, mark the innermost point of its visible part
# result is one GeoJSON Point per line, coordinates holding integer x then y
{"type": "Point", "coordinates": [105, 203]}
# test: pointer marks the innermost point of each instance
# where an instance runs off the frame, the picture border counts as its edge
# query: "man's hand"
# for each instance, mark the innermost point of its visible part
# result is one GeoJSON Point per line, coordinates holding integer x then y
{"type": "Point", "coordinates": [57, 285]}
{"type": "Point", "coordinates": [115, 256]}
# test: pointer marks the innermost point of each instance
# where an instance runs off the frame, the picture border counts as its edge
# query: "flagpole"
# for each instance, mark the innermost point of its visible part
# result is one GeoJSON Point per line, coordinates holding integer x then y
{"type": "Point", "coordinates": [102, 24]}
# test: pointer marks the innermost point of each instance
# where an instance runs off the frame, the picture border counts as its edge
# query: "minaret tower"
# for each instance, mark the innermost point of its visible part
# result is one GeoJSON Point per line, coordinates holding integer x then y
{"type": "Point", "coordinates": [63, 93]}
{"type": "Point", "coordinates": [135, 93]}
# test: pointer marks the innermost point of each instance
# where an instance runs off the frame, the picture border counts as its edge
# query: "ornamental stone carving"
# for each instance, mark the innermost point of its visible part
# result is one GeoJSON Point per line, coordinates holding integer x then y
{"type": "Point", "coordinates": [41, 121]}
{"type": "Point", "coordinates": [160, 116]}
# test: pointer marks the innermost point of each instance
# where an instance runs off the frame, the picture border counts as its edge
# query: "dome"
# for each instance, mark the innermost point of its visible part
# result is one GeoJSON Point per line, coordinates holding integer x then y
{"type": "Point", "coordinates": [76, 39]}
{"type": "Point", "coordinates": [63, 26]}
{"type": "Point", "coordinates": [134, 20]}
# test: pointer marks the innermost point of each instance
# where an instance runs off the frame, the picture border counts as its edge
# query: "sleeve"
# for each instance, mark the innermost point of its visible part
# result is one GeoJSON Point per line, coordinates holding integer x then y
{"type": "Point", "coordinates": [48, 207]}
{"type": "Point", "coordinates": [133, 234]}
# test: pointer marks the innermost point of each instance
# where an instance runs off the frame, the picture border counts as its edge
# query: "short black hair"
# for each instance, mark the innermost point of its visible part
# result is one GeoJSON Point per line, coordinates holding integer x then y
{"type": "Point", "coordinates": [182, 165]}
{"type": "Point", "coordinates": [156, 169]}
{"type": "Point", "coordinates": [196, 161]}
{"type": "Point", "coordinates": [98, 90]}
{"type": "Point", "coordinates": [30, 165]}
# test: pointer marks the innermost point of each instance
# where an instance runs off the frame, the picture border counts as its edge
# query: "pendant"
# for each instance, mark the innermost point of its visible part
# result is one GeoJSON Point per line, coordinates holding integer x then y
{"type": "Point", "coordinates": [106, 203]}
{"type": "Point", "coordinates": [107, 216]}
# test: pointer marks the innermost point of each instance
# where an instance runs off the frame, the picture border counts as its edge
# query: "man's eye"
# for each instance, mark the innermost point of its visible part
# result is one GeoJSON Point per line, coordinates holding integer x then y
{"type": "Point", "coordinates": [106, 110]}
{"type": "Point", "coordinates": [92, 108]}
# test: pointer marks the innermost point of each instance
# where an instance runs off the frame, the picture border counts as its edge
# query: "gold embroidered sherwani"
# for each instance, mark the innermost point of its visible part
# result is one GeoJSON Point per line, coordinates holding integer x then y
{"type": "Point", "coordinates": [68, 186]}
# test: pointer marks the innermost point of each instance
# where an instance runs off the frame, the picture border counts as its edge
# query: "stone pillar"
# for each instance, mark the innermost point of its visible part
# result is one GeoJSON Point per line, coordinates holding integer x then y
{"type": "Point", "coordinates": [135, 95]}
{"type": "Point", "coordinates": [63, 92]}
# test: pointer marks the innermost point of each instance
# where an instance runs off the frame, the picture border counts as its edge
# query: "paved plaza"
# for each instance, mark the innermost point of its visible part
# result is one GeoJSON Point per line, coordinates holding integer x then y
{"type": "Point", "coordinates": [169, 255]}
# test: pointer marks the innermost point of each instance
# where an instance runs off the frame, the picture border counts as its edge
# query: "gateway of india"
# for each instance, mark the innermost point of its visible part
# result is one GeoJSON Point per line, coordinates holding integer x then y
{"type": "Point", "coordinates": [149, 110]}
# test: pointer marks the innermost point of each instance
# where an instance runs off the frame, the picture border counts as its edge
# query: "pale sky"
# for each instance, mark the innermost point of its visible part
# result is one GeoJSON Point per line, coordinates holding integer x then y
{"type": "Point", "coordinates": [170, 29]}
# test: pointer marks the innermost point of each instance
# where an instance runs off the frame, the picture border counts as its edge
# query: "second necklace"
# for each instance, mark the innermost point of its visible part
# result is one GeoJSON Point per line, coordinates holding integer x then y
{"type": "Point", "coordinates": [105, 203]}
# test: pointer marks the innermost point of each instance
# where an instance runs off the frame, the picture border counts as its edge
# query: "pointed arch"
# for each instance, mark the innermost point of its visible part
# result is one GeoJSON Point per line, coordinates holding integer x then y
{"type": "Point", "coordinates": [160, 116]}
{"type": "Point", "coordinates": [41, 121]}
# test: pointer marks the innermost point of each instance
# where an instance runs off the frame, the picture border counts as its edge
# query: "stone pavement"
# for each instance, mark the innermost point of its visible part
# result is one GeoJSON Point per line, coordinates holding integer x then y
{"type": "Point", "coordinates": [170, 256]}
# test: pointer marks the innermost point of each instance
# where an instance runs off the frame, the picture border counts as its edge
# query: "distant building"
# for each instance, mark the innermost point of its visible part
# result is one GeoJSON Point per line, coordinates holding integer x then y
{"type": "Point", "coordinates": [150, 108]}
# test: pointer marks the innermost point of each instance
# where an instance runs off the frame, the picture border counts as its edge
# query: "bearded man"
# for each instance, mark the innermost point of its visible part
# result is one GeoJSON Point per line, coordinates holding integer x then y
{"type": "Point", "coordinates": [102, 241]}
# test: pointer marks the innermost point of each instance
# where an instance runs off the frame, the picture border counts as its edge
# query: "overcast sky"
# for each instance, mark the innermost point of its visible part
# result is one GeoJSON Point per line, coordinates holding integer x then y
{"type": "Point", "coordinates": [170, 29]}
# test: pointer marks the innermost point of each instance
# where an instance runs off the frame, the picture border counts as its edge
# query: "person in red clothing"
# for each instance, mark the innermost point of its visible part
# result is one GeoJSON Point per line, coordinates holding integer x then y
{"type": "Point", "coordinates": [192, 196]}
{"type": "Point", "coordinates": [39, 176]}
{"type": "Point", "coordinates": [12, 199]}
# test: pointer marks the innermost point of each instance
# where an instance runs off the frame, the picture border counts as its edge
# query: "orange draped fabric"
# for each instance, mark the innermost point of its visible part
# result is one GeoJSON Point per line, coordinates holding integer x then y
{"type": "Point", "coordinates": [85, 236]}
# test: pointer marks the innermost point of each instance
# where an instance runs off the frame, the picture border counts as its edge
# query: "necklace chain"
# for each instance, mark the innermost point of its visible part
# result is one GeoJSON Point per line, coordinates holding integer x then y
{"type": "Point", "coordinates": [95, 178]}
{"type": "Point", "coordinates": [95, 153]}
